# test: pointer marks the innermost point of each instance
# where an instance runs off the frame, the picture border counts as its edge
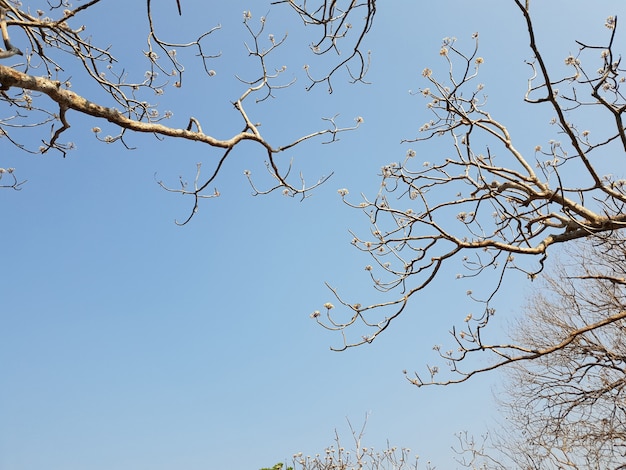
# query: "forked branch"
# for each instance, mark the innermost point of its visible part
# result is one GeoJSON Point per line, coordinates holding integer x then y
{"type": "Point", "coordinates": [491, 205]}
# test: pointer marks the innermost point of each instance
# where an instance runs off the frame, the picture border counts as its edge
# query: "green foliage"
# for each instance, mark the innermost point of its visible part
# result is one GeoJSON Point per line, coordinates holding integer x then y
{"type": "Point", "coordinates": [278, 466]}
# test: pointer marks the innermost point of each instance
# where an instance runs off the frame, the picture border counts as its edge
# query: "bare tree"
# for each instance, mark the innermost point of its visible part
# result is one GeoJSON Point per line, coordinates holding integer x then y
{"type": "Point", "coordinates": [571, 404]}
{"type": "Point", "coordinates": [490, 206]}
{"type": "Point", "coordinates": [36, 92]}
{"type": "Point", "coordinates": [566, 409]}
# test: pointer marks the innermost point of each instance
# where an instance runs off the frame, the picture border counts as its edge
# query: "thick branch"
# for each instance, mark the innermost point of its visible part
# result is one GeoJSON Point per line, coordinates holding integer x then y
{"type": "Point", "coordinates": [68, 99]}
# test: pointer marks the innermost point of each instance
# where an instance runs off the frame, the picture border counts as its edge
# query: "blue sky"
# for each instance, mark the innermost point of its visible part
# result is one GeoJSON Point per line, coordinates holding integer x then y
{"type": "Point", "coordinates": [127, 342]}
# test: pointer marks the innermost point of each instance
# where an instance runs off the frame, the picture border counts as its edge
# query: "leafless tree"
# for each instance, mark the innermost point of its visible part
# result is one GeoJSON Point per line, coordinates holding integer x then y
{"type": "Point", "coordinates": [571, 404]}
{"type": "Point", "coordinates": [566, 409]}
{"type": "Point", "coordinates": [46, 44]}
{"type": "Point", "coordinates": [490, 206]}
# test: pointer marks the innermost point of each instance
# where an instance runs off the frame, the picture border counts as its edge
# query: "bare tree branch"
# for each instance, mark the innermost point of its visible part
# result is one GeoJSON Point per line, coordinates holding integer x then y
{"type": "Point", "coordinates": [59, 48]}
{"type": "Point", "coordinates": [333, 18]}
{"type": "Point", "coordinates": [490, 205]}
{"type": "Point", "coordinates": [14, 184]}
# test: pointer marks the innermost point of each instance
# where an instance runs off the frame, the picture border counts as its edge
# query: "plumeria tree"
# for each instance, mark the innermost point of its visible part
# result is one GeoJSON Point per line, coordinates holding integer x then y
{"type": "Point", "coordinates": [356, 456]}
{"type": "Point", "coordinates": [489, 206]}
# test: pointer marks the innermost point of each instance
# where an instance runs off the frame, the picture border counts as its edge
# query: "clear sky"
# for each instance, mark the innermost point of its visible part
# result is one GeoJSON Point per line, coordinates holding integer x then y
{"type": "Point", "coordinates": [128, 342]}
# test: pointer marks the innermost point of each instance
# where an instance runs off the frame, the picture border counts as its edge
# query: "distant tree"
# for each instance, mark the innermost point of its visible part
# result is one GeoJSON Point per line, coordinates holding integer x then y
{"type": "Point", "coordinates": [490, 205]}
{"type": "Point", "coordinates": [49, 48]}
{"type": "Point", "coordinates": [565, 394]}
